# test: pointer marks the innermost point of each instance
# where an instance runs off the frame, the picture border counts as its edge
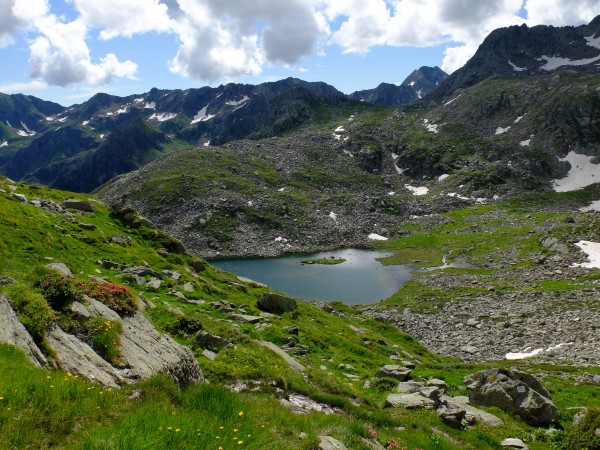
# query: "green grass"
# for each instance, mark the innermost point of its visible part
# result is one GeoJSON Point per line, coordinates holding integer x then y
{"type": "Point", "coordinates": [325, 261]}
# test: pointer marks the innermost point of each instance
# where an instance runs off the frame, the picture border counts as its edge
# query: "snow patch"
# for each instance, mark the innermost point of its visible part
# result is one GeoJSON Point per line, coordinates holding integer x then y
{"type": "Point", "coordinates": [391, 193]}
{"type": "Point", "coordinates": [138, 100]}
{"type": "Point", "coordinates": [422, 190]}
{"type": "Point", "coordinates": [85, 122]}
{"type": "Point", "coordinates": [593, 41]}
{"type": "Point", "coordinates": [582, 173]}
{"type": "Point", "coordinates": [238, 103]}
{"type": "Point", "coordinates": [280, 189]}
{"type": "Point", "coordinates": [554, 62]}
{"type": "Point", "coordinates": [525, 143]}
{"type": "Point", "coordinates": [150, 105]}
{"type": "Point", "coordinates": [420, 93]}
{"type": "Point", "coordinates": [4, 144]}
{"type": "Point", "coordinates": [395, 157]}
{"type": "Point", "coordinates": [162, 117]}
{"type": "Point", "coordinates": [518, 119]}
{"type": "Point", "coordinates": [50, 119]}
{"type": "Point", "coordinates": [594, 206]}
{"type": "Point", "coordinates": [351, 118]}
{"type": "Point", "coordinates": [122, 110]}
{"type": "Point", "coordinates": [412, 83]}
{"type": "Point", "coordinates": [592, 250]}
{"type": "Point", "coordinates": [201, 116]}
{"type": "Point", "coordinates": [456, 195]}
{"type": "Point", "coordinates": [281, 239]}
{"type": "Point", "coordinates": [400, 170]}
{"type": "Point", "coordinates": [449, 102]}
{"type": "Point", "coordinates": [516, 68]}
{"type": "Point", "coordinates": [102, 136]}
{"type": "Point", "coordinates": [443, 177]}
{"type": "Point", "coordinates": [376, 237]}
{"type": "Point", "coordinates": [501, 130]}
{"type": "Point", "coordinates": [333, 216]}
{"type": "Point", "coordinates": [22, 133]}
{"type": "Point", "coordinates": [433, 128]}
{"type": "Point", "coordinates": [528, 353]}
{"type": "Point", "coordinates": [207, 144]}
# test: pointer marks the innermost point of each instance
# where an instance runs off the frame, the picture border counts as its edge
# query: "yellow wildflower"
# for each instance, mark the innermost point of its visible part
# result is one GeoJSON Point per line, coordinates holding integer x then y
{"type": "Point", "coordinates": [241, 413]}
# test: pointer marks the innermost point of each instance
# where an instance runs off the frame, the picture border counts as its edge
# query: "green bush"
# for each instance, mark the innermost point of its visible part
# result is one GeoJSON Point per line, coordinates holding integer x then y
{"type": "Point", "coordinates": [32, 310]}
{"type": "Point", "coordinates": [106, 336]}
{"type": "Point", "coordinates": [584, 434]}
{"type": "Point", "coordinates": [184, 325]}
{"type": "Point", "coordinates": [59, 291]}
{"type": "Point", "coordinates": [384, 384]}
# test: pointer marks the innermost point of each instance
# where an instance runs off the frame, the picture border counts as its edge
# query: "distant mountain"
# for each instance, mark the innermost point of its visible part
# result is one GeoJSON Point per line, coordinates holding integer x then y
{"type": "Point", "coordinates": [520, 51]}
{"type": "Point", "coordinates": [81, 147]}
{"type": "Point", "coordinates": [417, 85]}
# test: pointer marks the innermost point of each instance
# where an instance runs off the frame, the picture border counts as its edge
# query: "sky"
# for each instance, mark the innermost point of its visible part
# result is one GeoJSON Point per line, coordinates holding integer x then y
{"type": "Point", "coordinates": [68, 50]}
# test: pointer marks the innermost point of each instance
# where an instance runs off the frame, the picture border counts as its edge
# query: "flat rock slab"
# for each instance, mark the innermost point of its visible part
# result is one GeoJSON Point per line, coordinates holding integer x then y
{"type": "Point", "coordinates": [14, 333]}
{"type": "Point", "coordinates": [60, 268]}
{"type": "Point", "coordinates": [290, 360]}
{"type": "Point", "coordinates": [398, 372]}
{"type": "Point", "coordinates": [244, 318]}
{"type": "Point", "coordinates": [479, 415]}
{"type": "Point", "coordinates": [514, 443]}
{"type": "Point", "coordinates": [329, 443]}
{"type": "Point", "coordinates": [409, 401]}
{"type": "Point", "coordinates": [78, 205]}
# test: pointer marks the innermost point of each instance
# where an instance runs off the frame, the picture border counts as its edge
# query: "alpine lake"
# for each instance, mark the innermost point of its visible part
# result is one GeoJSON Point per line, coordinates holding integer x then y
{"type": "Point", "coordinates": [353, 276]}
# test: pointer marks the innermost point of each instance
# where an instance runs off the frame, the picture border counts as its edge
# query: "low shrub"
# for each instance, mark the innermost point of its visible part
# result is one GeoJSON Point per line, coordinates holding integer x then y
{"type": "Point", "coordinates": [384, 384]}
{"type": "Point", "coordinates": [184, 326]}
{"type": "Point", "coordinates": [32, 310]}
{"type": "Point", "coordinates": [59, 291]}
{"type": "Point", "coordinates": [116, 297]}
{"type": "Point", "coordinates": [584, 434]}
{"type": "Point", "coordinates": [106, 337]}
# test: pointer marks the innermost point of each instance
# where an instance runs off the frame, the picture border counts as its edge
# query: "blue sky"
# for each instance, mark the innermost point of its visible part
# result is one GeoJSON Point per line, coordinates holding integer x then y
{"type": "Point", "coordinates": [67, 50]}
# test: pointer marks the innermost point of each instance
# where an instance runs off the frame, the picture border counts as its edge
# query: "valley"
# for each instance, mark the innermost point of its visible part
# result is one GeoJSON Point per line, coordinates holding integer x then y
{"type": "Point", "coordinates": [482, 186]}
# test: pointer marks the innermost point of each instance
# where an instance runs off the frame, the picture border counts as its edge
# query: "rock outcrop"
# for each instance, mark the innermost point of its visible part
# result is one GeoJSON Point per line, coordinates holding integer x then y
{"type": "Point", "coordinates": [14, 333]}
{"type": "Point", "coordinates": [276, 304]}
{"type": "Point", "coordinates": [515, 392]}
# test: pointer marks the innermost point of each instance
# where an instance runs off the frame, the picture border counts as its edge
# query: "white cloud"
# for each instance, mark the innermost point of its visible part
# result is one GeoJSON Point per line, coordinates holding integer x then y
{"type": "Point", "coordinates": [124, 18]}
{"type": "Point", "coordinates": [59, 56]}
{"type": "Point", "coordinates": [9, 88]}
{"type": "Point", "coordinates": [16, 14]}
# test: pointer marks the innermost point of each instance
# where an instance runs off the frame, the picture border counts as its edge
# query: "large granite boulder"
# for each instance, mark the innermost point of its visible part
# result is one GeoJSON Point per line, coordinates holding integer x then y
{"type": "Point", "coordinates": [329, 443]}
{"type": "Point", "coordinates": [14, 333]}
{"type": "Point", "coordinates": [276, 304]}
{"type": "Point", "coordinates": [79, 205]}
{"type": "Point", "coordinates": [396, 371]}
{"type": "Point", "coordinates": [514, 392]}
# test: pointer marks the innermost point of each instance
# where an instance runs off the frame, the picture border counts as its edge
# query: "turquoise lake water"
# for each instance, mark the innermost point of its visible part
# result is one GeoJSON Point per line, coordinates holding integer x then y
{"type": "Point", "coordinates": [360, 280]}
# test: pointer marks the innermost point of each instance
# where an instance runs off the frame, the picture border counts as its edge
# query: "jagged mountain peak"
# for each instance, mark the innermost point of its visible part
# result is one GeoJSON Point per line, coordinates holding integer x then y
{"type": "Point", "coordinates": [525, 51]}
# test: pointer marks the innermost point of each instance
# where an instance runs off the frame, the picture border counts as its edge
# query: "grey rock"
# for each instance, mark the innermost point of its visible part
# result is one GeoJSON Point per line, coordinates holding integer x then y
{"type": "Point", "coordinates": [146, 222]}
{"type": "Point", "coordinates": [154, 283]}
{"type": "Point", "coordinates": [148, 352]}
{"type": "Point", "coordinates": [75, 356]}
{"type": "Point", "coordinates": [172, 274]}
{"type": "Point", "coordinates": [432, 392]}
{"type": "Point", "coordinates": [276, 304]}
{"type": "Point", "coordinates": [80, 311]}
{"type": "Point", "coordinates": [87, 226]}
{"type": "Point", "coordinates": [290, 360]}
{"type": "Point", "coordinates": [60, 268]}
{"type": "Point", "coordinates": [409, 387]}
{"type": "Point", "coordinates": [199, 265]}
{"type": "Point", "coordinates": [514, 392]}
{"type": "Point", "coordinates": [78, 205]}
{"type": "Point", "coordinates": [244, 318]}
{"type": "Point", "coordinates": [452, 416]}
{"type": "Point", "coordinates": [252, 283]}
{"type": "Point", "coordinates": [19, 197]}
{"type": "Point", "coordinates": [188, 287]}
{"type": "Point", "coordinates": [7, 281]}
{"type": "Point", "coordinates": [329, 443]}
{"type": "Point", "coordinates": [210, 341]}
{"type": "Point", "coordinates": [208, 354]}
{"type": "Point", "coordinates": [438, 383]}
{"type": "Point", "coordinates": [119, 239]}
{"type": "Point", "coordinates": [14, 333]}
{"type": "Point", "coordinates": [141, 271]}
{"type": "Point", "coordinates": [409, 401]}
{"type": "Point", "coordinates": [514, 443]}
{"type": "Point", "coordinates": [109, 264]}
{"type": "Point", "coordinates": [394, 371]}
{"type": "Point", "coordinates": [472, 414]}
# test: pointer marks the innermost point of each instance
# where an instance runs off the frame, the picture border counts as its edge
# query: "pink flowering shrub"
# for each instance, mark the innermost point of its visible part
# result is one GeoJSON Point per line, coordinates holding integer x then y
{"type": "Point", "coordinates": [116, 297]}
{"type": "Point", "coordinates": [59, 291]}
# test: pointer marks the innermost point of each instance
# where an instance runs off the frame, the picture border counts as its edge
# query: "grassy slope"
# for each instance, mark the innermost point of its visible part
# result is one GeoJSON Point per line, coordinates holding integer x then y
{"type": "Point", "coordinates": [76, 414]}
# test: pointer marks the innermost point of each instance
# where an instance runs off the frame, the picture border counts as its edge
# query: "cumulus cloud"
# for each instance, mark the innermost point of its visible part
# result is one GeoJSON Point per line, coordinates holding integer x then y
{"type": "Point", "coordinates": [228, 39]}
{"type": "Point", "coordinates": [16, 14]}
{"type": "Point", "coordinates": [118, 18]}
{"type": "Point", "coordinates": [60, 56]}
